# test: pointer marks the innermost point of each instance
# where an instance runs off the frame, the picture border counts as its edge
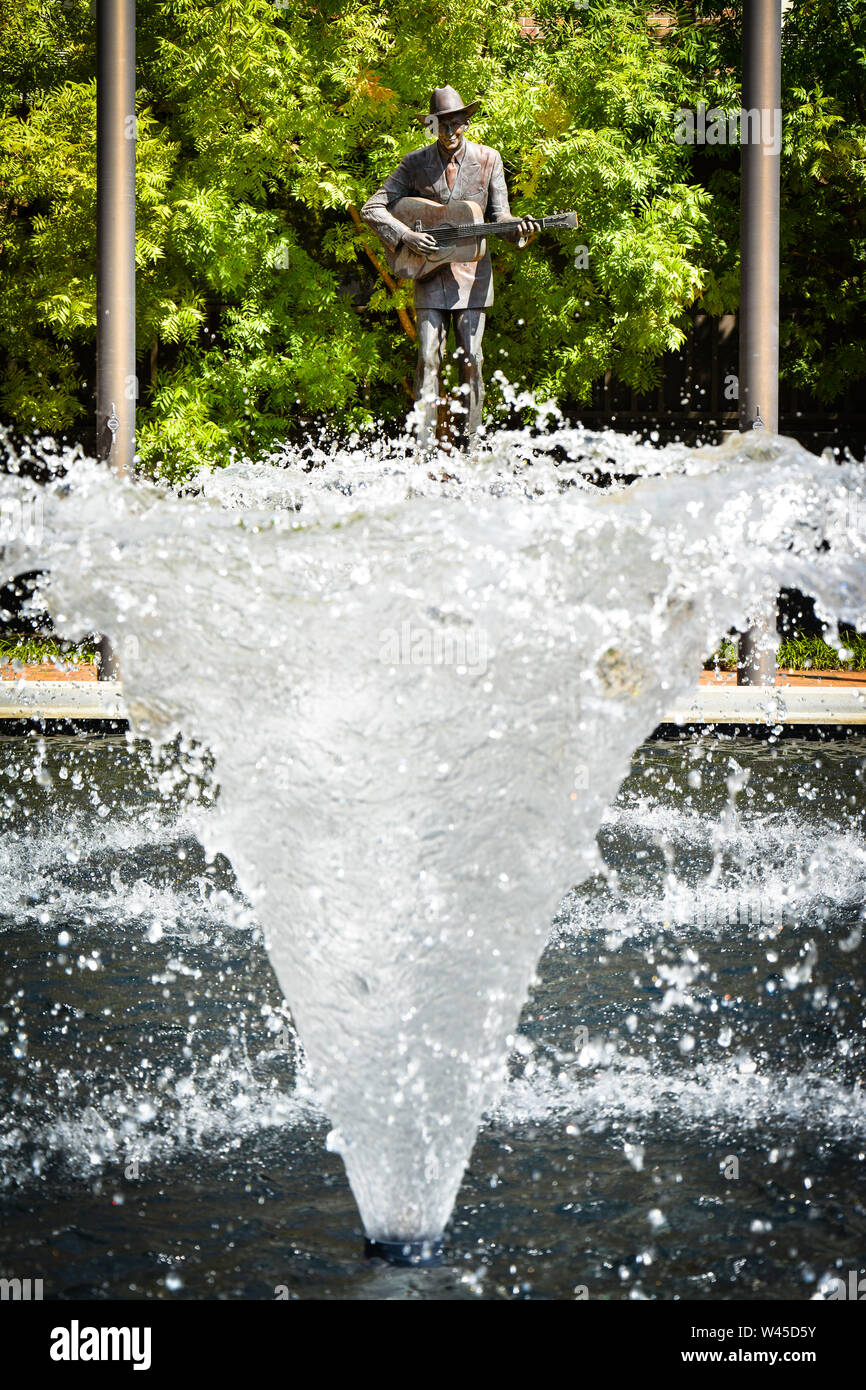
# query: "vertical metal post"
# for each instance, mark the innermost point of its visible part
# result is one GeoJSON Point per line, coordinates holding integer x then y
{"type": "Point", "coordinates": [761, 135]}
{"type": "Point", "coordinates": [757, 647]}
{"type": "Point", "coordinates": [116, 383]}
{"type": "Point", "coordinates": [761, 138]}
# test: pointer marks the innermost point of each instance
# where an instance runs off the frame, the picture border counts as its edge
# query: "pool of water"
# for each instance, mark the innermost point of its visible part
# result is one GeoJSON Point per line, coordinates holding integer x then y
{"type": "Point", "coordinates": [685, 1115]}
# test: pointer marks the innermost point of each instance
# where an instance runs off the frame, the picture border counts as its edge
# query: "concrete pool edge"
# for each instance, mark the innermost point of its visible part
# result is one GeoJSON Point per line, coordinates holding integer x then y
{"type": "Point", "coordinates": [822, 705]}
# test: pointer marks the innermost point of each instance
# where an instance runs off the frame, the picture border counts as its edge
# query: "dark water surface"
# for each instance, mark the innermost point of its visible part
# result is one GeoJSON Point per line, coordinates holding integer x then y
{"type": "Point", "coordinates": [686, 1115]}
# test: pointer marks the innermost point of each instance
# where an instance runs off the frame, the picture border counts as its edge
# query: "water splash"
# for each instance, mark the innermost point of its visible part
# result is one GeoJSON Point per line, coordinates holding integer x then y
{"type": "Point", "coordinates": [421, 694]}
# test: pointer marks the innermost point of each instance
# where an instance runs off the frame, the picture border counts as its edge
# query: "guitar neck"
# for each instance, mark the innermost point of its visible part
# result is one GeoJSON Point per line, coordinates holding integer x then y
{"type": "Point", "coordinates": [476, 229]}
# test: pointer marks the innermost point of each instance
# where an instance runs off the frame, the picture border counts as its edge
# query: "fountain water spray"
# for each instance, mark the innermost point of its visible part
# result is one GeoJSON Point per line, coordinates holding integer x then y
{"type": "Point", "coordinates": [421, 696]}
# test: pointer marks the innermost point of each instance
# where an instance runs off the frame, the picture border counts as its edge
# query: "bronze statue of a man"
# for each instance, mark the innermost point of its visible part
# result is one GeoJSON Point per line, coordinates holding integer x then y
{"type": "Point", "coordinates": [451, 168]}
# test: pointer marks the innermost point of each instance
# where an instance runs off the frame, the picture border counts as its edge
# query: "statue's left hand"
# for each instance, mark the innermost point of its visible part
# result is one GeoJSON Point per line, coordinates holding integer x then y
{"type": "Point", "coordinates": [527, 231]}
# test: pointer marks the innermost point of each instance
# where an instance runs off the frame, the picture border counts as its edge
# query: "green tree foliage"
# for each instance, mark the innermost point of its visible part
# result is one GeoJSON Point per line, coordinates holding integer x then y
{"type": "Point", "coordinates": [263, 302]}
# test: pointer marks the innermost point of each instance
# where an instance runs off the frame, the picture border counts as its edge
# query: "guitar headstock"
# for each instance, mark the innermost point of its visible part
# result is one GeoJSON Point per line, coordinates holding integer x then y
{"type": "Point", "coordinates": [561, 219]}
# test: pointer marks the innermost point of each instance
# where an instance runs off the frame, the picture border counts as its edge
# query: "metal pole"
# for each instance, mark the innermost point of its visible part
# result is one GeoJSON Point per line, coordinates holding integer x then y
{"type": "Point", "coordinates": [757, 647]}
{"type": "Point", "coordinates": [761, 138]}
{"type": "Point", "coordinates": [116, 382]}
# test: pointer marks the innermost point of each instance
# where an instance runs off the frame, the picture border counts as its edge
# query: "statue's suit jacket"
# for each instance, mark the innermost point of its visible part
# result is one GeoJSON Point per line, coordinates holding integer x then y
{"type": "Point", "coordinates": [480, 179]}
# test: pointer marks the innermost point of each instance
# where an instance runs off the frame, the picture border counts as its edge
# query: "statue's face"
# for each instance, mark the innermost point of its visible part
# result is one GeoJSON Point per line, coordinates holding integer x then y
{"type": "Point", "coordinates": [451, 130]}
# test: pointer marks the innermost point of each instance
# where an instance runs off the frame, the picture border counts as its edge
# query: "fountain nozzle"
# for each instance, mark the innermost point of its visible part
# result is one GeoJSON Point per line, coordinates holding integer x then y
{"type": "Point", "coordinates": [405, 1252]}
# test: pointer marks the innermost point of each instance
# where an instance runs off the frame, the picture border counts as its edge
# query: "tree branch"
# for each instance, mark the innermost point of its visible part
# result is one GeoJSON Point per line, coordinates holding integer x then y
{"type": "Point", "coordinates": [388, 279]}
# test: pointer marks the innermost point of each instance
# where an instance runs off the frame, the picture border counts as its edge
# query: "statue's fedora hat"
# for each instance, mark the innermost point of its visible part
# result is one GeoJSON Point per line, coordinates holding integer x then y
{"type": "Point", "coordinates": [446, 102]}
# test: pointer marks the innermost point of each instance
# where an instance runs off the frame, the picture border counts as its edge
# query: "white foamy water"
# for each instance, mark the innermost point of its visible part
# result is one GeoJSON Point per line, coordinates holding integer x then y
{"type": "Point", "coordinates": [760, 870]}
{"type": "Point", "coordinates": [630, 1089]}
{"type": "Point", "coordinates": [421, 697]}
{"type": "Point", "coordinates": [94, 1129]}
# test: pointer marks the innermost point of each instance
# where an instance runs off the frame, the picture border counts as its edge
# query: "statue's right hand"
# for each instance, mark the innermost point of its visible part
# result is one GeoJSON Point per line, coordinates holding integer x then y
{"type": "Point", "coordinates": [420, 242]}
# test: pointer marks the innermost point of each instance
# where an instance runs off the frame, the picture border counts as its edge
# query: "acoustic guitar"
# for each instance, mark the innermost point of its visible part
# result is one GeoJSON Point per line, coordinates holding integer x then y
{"type": "Point", "coordinates": [457, 228]}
